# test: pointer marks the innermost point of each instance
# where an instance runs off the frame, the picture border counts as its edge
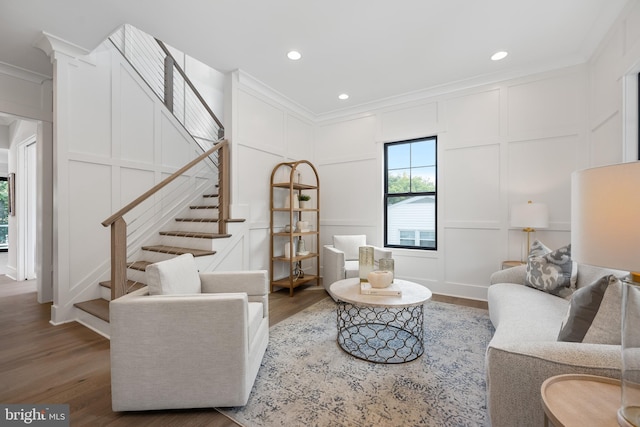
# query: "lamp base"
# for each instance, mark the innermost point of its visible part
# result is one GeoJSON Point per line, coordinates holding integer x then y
{"type": "Point", "coordinates": [622, 421]}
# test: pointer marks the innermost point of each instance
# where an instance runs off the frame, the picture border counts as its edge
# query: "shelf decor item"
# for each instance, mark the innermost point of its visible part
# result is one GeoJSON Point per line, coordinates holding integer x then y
{"type": "Point", "coordinates": [302, 248]}
{"type": "Point", "coordinates": [365, 262]}
{"type": "Point", "coordinates": [387, 264]}
{"type": "Point", "coordinates": [304, 200]}
{"type": "Point", "coordinates": [380, 278]}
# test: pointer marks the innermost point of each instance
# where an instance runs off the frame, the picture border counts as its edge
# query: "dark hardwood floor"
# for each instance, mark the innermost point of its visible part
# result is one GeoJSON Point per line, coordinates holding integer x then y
{"type": "Point", "coordinates": [69, 364]}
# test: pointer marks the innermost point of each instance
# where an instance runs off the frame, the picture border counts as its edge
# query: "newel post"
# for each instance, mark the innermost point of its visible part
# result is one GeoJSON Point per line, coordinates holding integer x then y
{"type": "Point", "coordinates": [223, 188]}
{"type": "Point", "coordinates": [118, 258]}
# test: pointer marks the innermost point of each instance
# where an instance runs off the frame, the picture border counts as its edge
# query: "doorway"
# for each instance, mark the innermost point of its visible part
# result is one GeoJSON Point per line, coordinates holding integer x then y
{"type": "Point", "coordinates": [4, 224]}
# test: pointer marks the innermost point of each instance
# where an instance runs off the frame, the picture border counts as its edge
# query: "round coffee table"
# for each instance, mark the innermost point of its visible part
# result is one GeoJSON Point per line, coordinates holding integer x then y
{"type": "Point", "coordinates": [380, 328]}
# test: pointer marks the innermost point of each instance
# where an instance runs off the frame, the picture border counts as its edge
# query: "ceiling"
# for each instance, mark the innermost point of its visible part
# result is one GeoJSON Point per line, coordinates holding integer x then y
{"type": "Point", "coordinates": [370, 49]}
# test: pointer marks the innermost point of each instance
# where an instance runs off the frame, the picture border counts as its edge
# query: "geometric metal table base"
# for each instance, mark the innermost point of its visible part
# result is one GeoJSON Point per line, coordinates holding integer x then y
{"type": "Point", "coordinates": [381, 334]}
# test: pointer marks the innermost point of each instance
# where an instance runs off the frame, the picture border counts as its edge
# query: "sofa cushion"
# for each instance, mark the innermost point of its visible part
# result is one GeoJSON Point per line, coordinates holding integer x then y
{"type": "Point", "coordinates": [351, 269]}
{"type": "Point", "coordinates": [174, 276]}
{"type": "Point", "coordinates": [594, 313]}
{"type": "Point", "coordinates": [350, 245]}
{"type": "Point", "coordinates": [551, 271]}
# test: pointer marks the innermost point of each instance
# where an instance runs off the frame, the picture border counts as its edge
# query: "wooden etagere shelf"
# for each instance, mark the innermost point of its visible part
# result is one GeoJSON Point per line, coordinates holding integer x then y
{"type": "Point", "coordinates": [288, 181]}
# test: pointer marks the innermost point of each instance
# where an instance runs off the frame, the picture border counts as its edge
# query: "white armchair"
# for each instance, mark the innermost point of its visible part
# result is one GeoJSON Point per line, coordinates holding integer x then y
{"type": "Point", "coordinates": [188, 350]}
{"type": "Point", "coordinates": [341, 258]}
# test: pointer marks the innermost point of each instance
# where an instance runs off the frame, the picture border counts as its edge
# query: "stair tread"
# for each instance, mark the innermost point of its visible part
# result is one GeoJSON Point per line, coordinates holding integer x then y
{"type": "Point", "coordinates": [209, 220]}
{"type": "Point", "coordinates": [132, 285]}
{"type": "Point", "coordinates": [197, 235]}
{"type": "Point", "coordinates": [97, 307]}
{"type": "Point", "coordinates": [139, 265]}
{"type": "Point", "coordinates": [203, 207]}
{"type": "Point", "coordinates": [174, 250]}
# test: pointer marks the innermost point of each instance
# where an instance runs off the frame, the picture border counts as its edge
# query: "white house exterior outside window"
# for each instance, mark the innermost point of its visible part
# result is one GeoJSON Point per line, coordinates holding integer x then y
{"type": "Point", "coordinates": [410, 194]}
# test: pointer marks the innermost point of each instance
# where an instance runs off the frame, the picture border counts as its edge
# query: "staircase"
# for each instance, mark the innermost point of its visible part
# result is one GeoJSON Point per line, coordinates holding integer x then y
{"type": "Point", "coordinates": [193, 233]}
{"type": "Point", "coordinates": [202, 229]}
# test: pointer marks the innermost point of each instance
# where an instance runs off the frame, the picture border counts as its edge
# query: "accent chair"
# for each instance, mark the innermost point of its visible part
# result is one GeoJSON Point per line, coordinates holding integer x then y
{"type": "Point", "coordinates": [341, 258]}
{"type": "Point", "coordinates": [188, 339]}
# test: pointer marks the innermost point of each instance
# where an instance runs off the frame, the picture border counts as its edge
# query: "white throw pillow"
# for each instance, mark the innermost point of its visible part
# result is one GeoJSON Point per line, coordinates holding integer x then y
{"type": "Point", "coordinates": [174, 276]}
{"type": "Point", "coordinates": [350, 245]}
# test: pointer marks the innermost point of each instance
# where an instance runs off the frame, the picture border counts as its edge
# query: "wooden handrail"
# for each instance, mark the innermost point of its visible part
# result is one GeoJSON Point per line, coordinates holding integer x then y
{"type": "Point", "coordinates": [122, 212]}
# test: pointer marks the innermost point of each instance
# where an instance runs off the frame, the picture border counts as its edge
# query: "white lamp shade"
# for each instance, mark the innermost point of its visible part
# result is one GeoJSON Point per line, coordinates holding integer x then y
{"type": "Point", "coordinates": [530, 215]}
{"type": "Point", "coordinates": [605, 216]}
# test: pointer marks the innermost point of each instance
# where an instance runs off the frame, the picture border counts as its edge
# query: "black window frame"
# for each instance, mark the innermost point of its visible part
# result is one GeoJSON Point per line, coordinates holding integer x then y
{"type": "Point", "coordinates": [386, 194]}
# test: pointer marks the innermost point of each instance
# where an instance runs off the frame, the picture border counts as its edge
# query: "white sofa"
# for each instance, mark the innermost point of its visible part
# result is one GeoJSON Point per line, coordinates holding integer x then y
{"type": "Point", "coordinates": [189, 350]}
{"type": "Point", "coordinates": [524, 350]}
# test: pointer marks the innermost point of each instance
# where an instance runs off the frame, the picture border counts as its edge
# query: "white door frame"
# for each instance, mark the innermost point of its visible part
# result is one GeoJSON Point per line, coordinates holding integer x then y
{"type": "Point", "coordinates": [26, 212]}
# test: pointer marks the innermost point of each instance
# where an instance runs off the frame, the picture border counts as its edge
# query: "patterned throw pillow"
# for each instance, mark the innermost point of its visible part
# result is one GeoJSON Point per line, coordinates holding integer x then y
{"type": "Point", "coordinates": [551, 271]}
{"type": "Point", "coordinates": [594, 313]}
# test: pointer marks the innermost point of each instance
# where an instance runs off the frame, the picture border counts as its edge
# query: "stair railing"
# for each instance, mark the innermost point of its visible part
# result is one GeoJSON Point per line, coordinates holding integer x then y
{"type": "Point", "coordinates": [118, 223]}
{"type": "Point", "coordinates": [156, 65]}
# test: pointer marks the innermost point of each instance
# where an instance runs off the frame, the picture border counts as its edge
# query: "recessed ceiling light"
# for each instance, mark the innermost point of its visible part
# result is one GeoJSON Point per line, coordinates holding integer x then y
{"type": "Point", "coordinates": [343, 96]}
{"type": "Point", "coordinates": [499, 55]}
{"type": "Point", "coordinates": [294, 55]}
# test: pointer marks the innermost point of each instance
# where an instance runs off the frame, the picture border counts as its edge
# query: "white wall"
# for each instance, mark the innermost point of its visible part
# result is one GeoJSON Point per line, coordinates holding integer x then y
{"type": "Point", "coordinates": [264, 129]}
{"type": "Point", "coordinates": [498, 145]}
{"type": "Point", "coordinates": [613, 114]}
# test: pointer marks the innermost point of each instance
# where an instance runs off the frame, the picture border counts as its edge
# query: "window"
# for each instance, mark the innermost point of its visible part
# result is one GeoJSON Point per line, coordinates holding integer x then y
{"type": "Point", "coordinates": [410, 194]}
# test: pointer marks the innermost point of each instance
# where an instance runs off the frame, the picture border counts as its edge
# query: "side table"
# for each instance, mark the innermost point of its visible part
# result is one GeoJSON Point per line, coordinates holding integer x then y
{"type": "Point", "coordinates": [509, 264]}
{"type": "Point", "coordinates": [381, 329]}
{"type": "Point", "coordinates": [581, 400]}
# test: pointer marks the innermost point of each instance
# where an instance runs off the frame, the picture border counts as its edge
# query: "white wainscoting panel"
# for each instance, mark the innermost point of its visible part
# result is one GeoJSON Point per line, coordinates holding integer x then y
{"type": "Point", "coordinates": [351, 139]}
{"type": "Point", "coordinates": [351, 192]}
{"type": "Point", "coordinates": [253, 178]}
{"type": "Point", "coordinates": [86, 212]}
{"type": "Point", "coordinates": [540, 171]}
{"type": "Point", "coordinates": [90, 130]}
{"type": "Point", "coordinates": [136, 120]}
{"type": "Point", "coordinates": [473, 118]}
{"type": "Point", "coordinates": [410, 122]}
{"type": "Point", "coordinates": [547, 107]}
{"type": "Point", "coordinates": [604, 150]}
{"type": "Point", "coordinates": [175, 144]}
{"type": "Point", "coordinates": [471, 255]}
{"type": "Point", "coordinates": [259, 123]}
{"type": "Point", "coordinates": [299, 138]}
{"type": "Point", "coordinates": [472, 184]}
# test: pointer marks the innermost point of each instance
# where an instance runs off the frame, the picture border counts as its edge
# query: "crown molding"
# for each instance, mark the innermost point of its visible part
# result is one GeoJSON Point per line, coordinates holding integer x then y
{"type": "Point", "coordinates": [22, 73]}
{"type": "Point", "coordinates": [253, 83]}
{"type": "Point", "coordinates": [52, 46]}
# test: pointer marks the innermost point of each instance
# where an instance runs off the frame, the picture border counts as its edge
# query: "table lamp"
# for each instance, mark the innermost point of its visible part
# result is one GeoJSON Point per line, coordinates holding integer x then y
{"type": "Point", "coordinates": [529, 216]}
{"type": "Point", "coordinates": [605, 232]}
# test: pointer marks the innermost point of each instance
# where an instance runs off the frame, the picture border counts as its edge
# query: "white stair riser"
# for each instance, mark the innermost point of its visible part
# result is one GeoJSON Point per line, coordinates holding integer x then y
{"type": "Point", "coordinates": [196, 227]}
{"type": "Point", "coordinates": [189, 242]}
{"type": "Point", "coordinates": [93, 322]}
{"type": "Point", "coordinates": [209, 201]}
{"type": "Point", "coordinates": [203, 213]}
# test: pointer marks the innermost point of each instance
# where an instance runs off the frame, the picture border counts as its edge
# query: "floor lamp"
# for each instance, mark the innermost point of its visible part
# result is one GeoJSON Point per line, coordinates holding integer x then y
{"type": "Point", "coordinates": [529, 216]}
{"type": "Point", "coordinates": [605, 231]}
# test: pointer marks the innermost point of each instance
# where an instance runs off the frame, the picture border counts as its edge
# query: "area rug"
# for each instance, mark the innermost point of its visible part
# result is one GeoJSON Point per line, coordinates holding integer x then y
{"type": "Point", "coordinates": [306, 379]}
